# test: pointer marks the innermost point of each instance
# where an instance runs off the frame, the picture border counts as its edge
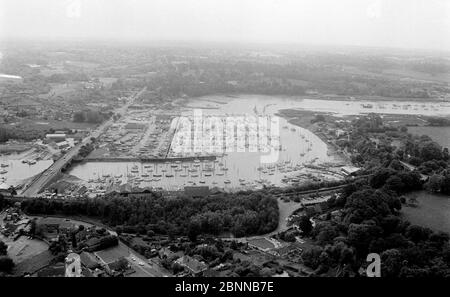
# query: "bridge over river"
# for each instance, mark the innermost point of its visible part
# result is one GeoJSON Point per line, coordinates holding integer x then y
{"type": "Point", "coordinates": [44, 178]}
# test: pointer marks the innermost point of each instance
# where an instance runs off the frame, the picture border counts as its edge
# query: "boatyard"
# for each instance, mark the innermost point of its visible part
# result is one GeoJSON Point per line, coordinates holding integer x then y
{"type": "Point", "coordinates": [160, 149]}
{"type": "Point", "coordinates": [141, 150]}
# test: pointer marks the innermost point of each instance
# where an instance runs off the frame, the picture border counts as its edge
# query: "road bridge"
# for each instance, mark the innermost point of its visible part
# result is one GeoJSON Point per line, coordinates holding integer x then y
{"type": "Point", "coordinates": [44, 178]}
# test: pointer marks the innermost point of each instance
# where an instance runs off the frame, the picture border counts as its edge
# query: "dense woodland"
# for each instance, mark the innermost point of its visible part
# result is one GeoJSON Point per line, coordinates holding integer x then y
{"type": "Point", "coordinates": [239, 214]}
{"type": "Point", "coordinates": [198, 78]}
{"type": "Point", "coordinates": [10, 133]}
{"type": "Point", "coordinates": [371, 224]}
{"type": "Point", "coordinates": [420, 151]}
{"type": "Point", "coordinates": [371, 221]}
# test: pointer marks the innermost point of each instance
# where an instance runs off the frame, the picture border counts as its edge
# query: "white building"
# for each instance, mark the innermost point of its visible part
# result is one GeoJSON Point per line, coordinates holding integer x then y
{"type": "Point", "coordinates": [73, 265]}
{"type": "Point", "coordinates": [56, 137]}
{"type": "Point", "coordinates": [349, 170]}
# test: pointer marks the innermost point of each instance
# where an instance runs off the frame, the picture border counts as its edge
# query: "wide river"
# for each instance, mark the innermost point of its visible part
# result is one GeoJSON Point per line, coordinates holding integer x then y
{"type": "Point", "coordinates": [271, 104]}
{"type": "Point", "coordinates": [14, 172]}
{"type": "Point", "coordinates": [241, 170]}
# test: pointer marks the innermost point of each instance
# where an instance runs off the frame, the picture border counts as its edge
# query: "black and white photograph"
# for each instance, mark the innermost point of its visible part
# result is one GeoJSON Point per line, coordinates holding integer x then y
{"type": "Point", "coordinates": [205, 143]}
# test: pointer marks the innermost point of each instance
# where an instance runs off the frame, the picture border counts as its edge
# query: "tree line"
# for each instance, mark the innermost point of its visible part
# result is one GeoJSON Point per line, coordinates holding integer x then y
{"type": "Point", "coordinates": [371, 223]}
{"type": "Point", "coordinates": [239, 214]}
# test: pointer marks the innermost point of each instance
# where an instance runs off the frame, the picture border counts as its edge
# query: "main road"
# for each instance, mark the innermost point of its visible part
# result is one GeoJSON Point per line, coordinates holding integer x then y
{"type": "Point", "coordinates": [46, 176]}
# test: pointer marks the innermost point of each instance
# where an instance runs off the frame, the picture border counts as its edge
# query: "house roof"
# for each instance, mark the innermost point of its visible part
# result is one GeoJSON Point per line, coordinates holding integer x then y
{"type": "Point", "coordinates": [287, 249]}
{"type": "Point", "coordinates": [55, 135]}
{"type": "Point", "coordinates": [350, 169]}
{"type": "Point", "coordinates": [192, 264]}
{"type": "Point", "coordinates": [4, 186]}
{"type": "Point", "coordinates": [88, 260]}
{"type": "Point", "coordinates": [116, 265]}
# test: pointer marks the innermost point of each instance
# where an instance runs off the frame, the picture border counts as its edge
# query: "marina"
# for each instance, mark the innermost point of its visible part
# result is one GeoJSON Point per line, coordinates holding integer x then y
{"type": "Point", "coordinates": [301, 157]}
{"type": "Point", "coordinates": [140, 150]}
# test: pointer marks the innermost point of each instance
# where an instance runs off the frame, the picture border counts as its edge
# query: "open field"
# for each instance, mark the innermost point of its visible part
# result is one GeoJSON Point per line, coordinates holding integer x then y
{"type": "Point", "coordinates": [439, 134]}
{"type": "Point", "coordinates": [29, 255]}
{"type": "Point", "coordinates": [24, 248]}
{"type": "Point", "coordinates": [432, 211]}
{"type": "Point", "coordinates": [34, 263]}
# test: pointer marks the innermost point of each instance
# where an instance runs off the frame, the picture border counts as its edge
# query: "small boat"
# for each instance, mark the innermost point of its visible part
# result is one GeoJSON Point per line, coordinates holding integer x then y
{"type": "Point", "coordinates": [227, 182]}
{"type": "Point", "coordinates": [3, 171]}
{"type": "Point", "coordinates": [4, 165]}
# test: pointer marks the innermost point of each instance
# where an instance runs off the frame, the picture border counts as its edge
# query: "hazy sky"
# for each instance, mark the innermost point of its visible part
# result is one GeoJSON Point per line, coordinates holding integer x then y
{"type": "Point", "coordinates": [393, 23]}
